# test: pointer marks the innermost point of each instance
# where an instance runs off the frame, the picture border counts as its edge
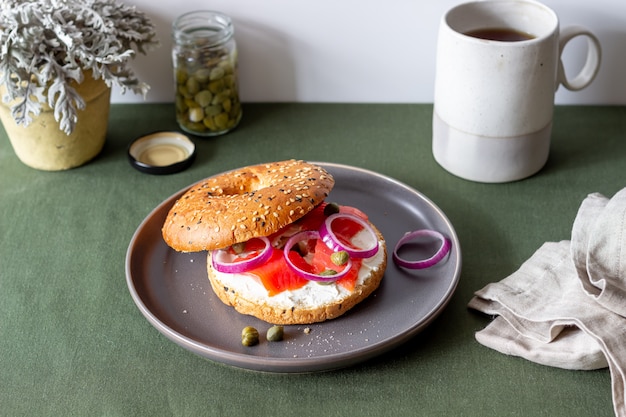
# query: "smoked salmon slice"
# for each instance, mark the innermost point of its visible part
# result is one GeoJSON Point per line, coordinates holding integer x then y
{"type": "Point", "coordinates": [276, 276]}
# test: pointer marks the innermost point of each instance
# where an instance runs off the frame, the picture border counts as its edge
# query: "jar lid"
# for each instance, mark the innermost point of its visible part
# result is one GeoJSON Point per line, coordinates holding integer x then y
{"type": "Point", "coordinates": [162, 153]}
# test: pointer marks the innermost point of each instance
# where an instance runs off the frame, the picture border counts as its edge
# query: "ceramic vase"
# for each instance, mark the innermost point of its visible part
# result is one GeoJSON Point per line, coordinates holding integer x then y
{"type": "Point", "coordinates": [42, 145]}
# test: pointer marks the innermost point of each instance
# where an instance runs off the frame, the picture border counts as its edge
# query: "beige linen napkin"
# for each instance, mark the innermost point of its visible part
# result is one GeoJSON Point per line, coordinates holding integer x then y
{"type": "Point", "coordinates": [599, 249]}
{"type": "Point", "coordinates": [564, 306]}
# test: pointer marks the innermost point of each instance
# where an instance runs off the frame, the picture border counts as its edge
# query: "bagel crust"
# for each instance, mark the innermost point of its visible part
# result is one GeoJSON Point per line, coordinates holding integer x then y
{"type": "Point", "coordinates": [248, 202]}
{"type": "Point", "coordinates": [303, 306]}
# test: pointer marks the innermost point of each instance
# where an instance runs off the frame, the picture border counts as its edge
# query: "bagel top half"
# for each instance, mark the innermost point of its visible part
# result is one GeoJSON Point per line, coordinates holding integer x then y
{"type": "Point", "coordinates": [248, 202]}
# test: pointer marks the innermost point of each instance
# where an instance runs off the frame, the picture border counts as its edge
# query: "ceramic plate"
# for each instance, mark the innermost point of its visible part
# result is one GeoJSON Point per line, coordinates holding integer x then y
{"type": "Point", "coordinates": [172, 290]}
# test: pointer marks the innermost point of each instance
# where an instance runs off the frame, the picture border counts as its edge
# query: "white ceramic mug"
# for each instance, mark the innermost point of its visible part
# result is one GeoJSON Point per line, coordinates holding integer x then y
{"type": "Point", "coordinates": [494, 99]}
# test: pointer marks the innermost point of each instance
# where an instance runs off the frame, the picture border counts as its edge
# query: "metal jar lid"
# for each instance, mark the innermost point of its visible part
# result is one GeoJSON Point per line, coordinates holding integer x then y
{"type": "Point", "coordinates": [162, 153]}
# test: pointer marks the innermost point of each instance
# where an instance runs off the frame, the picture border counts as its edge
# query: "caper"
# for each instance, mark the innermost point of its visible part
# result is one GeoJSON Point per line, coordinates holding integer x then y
{"type": "Point", "coordinates": [249, 336]}
{"type": "Point", "coordinates": [208, 122]}
{"type": "Point", "coordinates": [275, 333]}
{"type": "Point", "coordinates": [181, 76]}
{"type": "Point", "coordinates": [221, 120]}
{"type": "Point", "coordinates": [213, 110]}
{"type": "Point", "coordinates": [326, 273]}
{"type": "Point", "coordinates": [226, 66]}
{"type": "Point", "coordinates": [223, 96]}
{"type": "Point", "coordinates": [229, 80]}
{"type": "Point", "coordinates": [182, 91]}
{"type": "Point", "coordinates": [227, 105]}
{"type": "Point", "coordinates": [203, 98]}
{"type": "Point", "coordinates": [331, 208]}
{"type": "Point", "coordinates": [217, 86]}
{"type": "Point", "coordinates": [203, 75]}
{"type": "Point", "coordinates": [193, 86]}
{"type": "Point", "coordinates": [340, 258]}
{"type": "Point", "coordinates": [196, 127]}
{"type": "Point", "coordinates": [238, 247]}
{"type": "Point", "coordinates": [190, 103]}
{"type": "Point", "coordinates": [216, 73]}
{"type": "Point", "coordinates": [196, 114]}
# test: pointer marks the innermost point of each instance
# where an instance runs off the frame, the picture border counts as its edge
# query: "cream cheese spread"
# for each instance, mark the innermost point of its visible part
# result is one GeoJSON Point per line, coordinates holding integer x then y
{"type": "Point", "coordinates": [311, 295]}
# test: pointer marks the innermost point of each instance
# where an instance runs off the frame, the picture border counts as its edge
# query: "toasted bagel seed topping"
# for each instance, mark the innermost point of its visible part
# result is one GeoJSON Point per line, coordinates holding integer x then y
{"type": "Point", "coordinates": [273, 186]}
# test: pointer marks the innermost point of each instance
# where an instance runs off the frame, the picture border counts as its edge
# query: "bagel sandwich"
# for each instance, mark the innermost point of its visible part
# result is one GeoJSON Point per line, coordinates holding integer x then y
{"type": "Point", "coordinates": [277, 250]}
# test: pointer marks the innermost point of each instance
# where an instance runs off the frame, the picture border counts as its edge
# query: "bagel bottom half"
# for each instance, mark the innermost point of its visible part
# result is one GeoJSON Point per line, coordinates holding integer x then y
{"type": "Point", "coordinates": [313, 303]}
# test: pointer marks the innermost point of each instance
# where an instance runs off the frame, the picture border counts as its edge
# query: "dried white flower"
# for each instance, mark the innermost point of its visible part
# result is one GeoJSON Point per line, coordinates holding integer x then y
{"type": "Point", "coordinates": [45, 44]}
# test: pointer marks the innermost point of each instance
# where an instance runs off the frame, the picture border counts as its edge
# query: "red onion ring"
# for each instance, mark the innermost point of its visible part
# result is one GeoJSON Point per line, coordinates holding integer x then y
{"type": "Point", "coordinates": [221, 265]}
{"type": "Point", "coordinates": [424, 263]}
{"type": "Point", "coordinates": [333, 243]}
{"type": "Point", "coordinates": [305, 274]}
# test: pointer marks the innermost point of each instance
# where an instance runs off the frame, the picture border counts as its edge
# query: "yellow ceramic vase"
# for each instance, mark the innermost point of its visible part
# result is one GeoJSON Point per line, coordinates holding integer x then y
{"type": "Point", "coordinates": [42, 145]}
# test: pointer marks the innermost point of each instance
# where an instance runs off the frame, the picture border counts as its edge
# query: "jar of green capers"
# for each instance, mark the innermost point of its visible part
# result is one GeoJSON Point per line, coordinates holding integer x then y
{"type": "Point", "coordinates": [205, 72]}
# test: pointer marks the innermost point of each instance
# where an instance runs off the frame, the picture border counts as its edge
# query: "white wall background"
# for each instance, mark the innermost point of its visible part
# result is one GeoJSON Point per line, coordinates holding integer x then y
{"type": "Point", "coordinates": [362, 50]}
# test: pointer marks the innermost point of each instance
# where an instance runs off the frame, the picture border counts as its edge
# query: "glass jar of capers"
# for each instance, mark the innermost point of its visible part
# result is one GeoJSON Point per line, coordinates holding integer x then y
{"type": "Point", "coordinates": [205, 73]}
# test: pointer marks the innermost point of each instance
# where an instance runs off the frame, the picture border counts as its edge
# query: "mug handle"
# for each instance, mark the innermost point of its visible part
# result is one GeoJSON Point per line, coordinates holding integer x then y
{"type": "Point", "coordinates": [592, 64]}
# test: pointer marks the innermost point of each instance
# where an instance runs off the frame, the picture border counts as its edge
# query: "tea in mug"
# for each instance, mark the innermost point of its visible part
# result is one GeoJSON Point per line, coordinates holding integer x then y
{"type": "Point", "coordinates": [500, 34]}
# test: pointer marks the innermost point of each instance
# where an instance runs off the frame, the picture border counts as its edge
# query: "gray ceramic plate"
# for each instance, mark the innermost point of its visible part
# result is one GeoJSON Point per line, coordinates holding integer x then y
{"type": "Point", "coordinates": [172, 291]}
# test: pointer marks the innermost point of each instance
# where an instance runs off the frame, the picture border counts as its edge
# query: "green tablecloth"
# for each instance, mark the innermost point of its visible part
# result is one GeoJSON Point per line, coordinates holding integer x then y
{"type": "Point", "coordinates": [72, 342]}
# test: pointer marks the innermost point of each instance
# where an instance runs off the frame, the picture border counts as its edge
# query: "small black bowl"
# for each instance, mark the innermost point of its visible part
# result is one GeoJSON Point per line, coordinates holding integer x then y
{"type": "Point", "coordinates": [161, 153]}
